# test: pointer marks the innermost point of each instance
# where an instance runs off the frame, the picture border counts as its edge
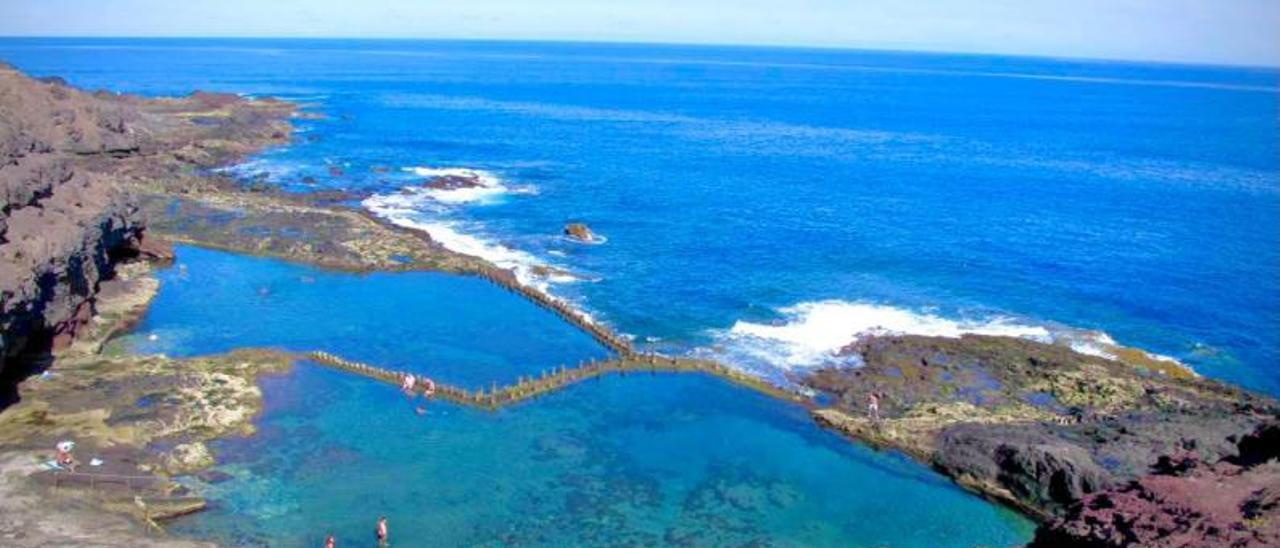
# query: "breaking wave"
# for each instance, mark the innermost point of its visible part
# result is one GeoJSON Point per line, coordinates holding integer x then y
{"type": "Point", "coordinates": [811, 334]}
{"type": "Point", "coordinates": [422, 208]}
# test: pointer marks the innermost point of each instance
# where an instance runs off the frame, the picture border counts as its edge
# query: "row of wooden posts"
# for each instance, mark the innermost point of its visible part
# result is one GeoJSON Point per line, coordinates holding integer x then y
{"type": "Point", "coordinates": [507, 281]}
{"type": "Point", "coordinates": [529, 387]}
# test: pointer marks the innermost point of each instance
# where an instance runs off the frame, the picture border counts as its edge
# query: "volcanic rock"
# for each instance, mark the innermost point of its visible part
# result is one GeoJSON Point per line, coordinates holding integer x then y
{"type": "Point", "coordinates": [453, 182]}
{"type": "Point", "coordinates": [580, 232]}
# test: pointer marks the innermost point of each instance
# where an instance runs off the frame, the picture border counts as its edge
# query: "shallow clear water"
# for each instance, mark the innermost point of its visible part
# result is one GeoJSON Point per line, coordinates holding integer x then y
{"type": "Point", "coordinates": [759, 205]}
{"type": "Point", "coordinates": [460, 330]}
{"type": "Point", "coordinates": [639, 460]}
{"type": "Point", "coordinates": [827, 191]}
{"type": "Point", "coordinates": [642, 459]}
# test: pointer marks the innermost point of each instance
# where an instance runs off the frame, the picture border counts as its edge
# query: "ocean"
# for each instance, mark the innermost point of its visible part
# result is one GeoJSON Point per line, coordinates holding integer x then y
{"type": "Point", "coordinates": [761, 206]}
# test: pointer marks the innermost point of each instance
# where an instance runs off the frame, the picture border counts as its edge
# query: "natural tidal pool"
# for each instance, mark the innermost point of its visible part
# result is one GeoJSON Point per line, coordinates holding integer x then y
{"type": "Point", "coordinates": [460, 330]}
{"type": "Point", "coordinates": [640, 460]}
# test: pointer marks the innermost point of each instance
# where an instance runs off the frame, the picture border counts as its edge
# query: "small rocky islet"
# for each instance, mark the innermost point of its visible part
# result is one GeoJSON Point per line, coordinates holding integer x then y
{"type": "Point", "coordinates": [1100, 451]}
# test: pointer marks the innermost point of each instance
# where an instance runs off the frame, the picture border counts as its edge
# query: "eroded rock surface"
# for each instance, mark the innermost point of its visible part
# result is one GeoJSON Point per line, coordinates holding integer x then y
{"type": "Point", "coordinates": [1191, 504]}
{"type": "Point", "coordinates": [61, 226]}
{"type": "Point", "coordinates": [1038, 426]}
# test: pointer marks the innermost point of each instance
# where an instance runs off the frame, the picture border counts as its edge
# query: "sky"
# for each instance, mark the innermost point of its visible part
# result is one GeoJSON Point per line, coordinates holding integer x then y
{"type": "Point", "coordinates": [1238, 32]}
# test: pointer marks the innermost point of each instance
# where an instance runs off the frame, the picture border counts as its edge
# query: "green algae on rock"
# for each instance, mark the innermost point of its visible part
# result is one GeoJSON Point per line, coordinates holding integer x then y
{"type": "Point", "coordinates": [1035, 425]}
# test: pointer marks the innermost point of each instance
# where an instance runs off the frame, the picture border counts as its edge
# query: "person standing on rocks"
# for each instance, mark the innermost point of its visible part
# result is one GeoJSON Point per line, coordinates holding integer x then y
{"type": "Point", "coordinates": [873, 406]}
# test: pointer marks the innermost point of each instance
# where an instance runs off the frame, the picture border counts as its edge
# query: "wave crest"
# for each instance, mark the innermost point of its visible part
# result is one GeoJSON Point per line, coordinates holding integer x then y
{"type": "Point", "coordinates": [811, 334]}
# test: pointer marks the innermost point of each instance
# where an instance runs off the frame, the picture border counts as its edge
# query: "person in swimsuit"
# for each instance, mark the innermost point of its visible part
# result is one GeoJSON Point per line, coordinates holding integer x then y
{"type": "Point", "coordinates": [873, 406]}
{"type": "Point", "coordinates": [407, 382]}
{"type": "Point", "coordinates": [330, 542]}
{"type": "Point", "coordinates": [383, 537]}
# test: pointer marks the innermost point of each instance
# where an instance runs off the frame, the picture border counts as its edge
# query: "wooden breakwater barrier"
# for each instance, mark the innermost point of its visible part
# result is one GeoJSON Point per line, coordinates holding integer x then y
{"type": "Point", "coordinates": [532, 386]}
{"type": "Point", "coordinates": [604, 335]}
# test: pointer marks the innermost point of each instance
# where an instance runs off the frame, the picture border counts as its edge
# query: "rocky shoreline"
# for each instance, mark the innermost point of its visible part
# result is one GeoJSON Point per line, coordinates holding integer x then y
{"type": "Point", "coordinates": [1096, 449]}
{"type": "Point", "coordinates": [1101, 451]}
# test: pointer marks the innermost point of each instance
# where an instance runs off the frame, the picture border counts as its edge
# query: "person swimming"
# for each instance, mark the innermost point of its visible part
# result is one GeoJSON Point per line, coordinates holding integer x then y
{"type": "Point", "coordinates": [383, 535]}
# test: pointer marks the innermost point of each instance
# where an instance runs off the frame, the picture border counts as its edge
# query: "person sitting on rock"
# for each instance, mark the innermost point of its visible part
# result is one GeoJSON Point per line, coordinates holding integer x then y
{"type": "Point", "coordinates": [64, 458]}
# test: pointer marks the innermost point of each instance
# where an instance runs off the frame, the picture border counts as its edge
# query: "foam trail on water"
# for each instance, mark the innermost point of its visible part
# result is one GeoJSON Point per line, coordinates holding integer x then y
{"type": "Point", "coordinates": [406, 210]}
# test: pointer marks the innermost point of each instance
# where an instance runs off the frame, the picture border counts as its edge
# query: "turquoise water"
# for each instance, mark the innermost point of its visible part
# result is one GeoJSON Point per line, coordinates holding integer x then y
{"type": "Point", "coordinates": [761, 206]}
{"type": "Point", "coordinates": [639, 460]}
{"type": "Point", "coordinates": [765, 205]}
{"type": "Point", "coordinates": [461, 330]}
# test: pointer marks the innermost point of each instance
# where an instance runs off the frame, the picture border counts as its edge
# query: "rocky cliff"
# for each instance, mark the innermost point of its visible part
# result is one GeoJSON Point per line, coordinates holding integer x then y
{"type": "Point", "coordinates": [61, 226]}
{"type": "Point", "coordinates": [67, 160]}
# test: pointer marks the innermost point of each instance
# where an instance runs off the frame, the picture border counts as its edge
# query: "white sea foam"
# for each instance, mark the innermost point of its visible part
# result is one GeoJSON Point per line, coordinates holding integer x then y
{"type": "Point", "coordinates": [810, 334]}
{"type": "Point", "coordinates": [427, 209]}
{"type": "Point", "coordinates": [491, 188]}
{"type": "Point", "coordinates": [408, 210]}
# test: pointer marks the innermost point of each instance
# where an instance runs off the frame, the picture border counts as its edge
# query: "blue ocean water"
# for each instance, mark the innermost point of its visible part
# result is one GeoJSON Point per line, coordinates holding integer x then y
{"type": "Point", "coordinates": [454, 328]}
{"type": "Point", "coordinates": [759, 205]}
{"type": "Point", "coordinates": [764, 205]}
{"type": "Point", "coordinates": [638, 460]}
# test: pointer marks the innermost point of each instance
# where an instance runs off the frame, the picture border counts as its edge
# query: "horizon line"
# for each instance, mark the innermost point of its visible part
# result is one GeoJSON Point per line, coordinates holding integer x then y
{"type": "Point", "coordinates": [817, 47]}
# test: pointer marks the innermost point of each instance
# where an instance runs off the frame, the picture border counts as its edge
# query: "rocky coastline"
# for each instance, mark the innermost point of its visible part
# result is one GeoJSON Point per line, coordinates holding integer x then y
{"type": "Point", "coordinates": [1100, 451]}
{"type": "Point", "coordinates": [76, 253]}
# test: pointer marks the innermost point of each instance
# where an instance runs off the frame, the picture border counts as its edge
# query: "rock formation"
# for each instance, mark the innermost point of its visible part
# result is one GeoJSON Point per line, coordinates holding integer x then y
{"type": "Point", "coordinates": [62, 226]}
{"type": "Point", "coordinates": [68, 163]}
{"type": "Point", "coordinates": [580, 232]}
{"type": "Point", "coordinates": [1234, 502]}
{"type": "Point", "coordinates": [1048, 430]}
{"type": "Point", "coordinates": [454, 182]}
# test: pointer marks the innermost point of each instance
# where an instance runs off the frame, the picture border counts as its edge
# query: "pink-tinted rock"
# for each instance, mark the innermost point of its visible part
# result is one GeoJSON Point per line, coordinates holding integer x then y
{"type": "Point", "coordinates": [1207, 505]}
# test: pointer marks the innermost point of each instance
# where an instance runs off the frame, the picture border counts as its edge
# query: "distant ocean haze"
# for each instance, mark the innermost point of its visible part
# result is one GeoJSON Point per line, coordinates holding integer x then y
{"type": "Point", "coordinates": [765, 206]}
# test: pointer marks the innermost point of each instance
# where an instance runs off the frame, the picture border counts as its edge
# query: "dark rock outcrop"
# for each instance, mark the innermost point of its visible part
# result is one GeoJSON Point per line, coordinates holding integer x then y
{"type": "Point", "coordinates": [1198, 505]}
{"type": "Point", "coordinates": [62, 226]}
{"type": "Point", "coordinates": [1039, 426]}
{"type": "Point", "coordinates": [1039, 470]}
{"type": "Point", "coordinates": [454, 182]}
{"type": "Point", "coordinates": [69, 164]}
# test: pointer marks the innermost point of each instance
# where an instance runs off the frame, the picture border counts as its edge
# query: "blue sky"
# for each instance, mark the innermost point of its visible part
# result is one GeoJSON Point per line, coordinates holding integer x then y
{"type": "Point", "coordinates": [1212, 31]}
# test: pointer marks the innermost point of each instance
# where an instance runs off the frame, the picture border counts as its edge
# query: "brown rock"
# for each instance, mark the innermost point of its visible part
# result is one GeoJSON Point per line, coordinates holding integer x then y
{"type": "Point", "coordinates": [580, 232]}
{"type": "Point", "coordinates": [453, 182]}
